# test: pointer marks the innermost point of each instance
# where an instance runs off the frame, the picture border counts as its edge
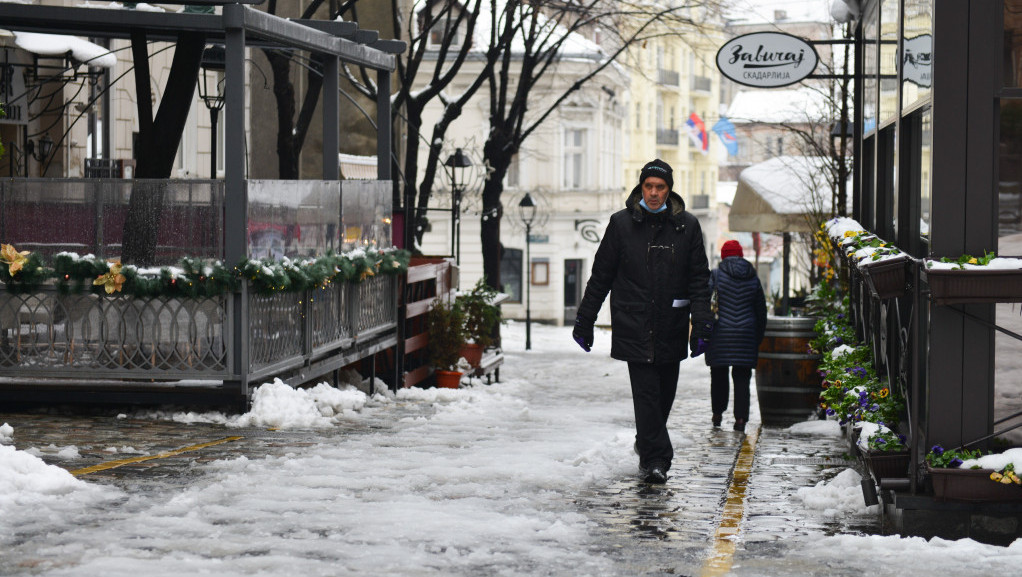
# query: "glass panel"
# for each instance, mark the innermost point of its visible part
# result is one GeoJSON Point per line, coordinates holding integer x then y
{"type": "Point", "coordinates": [1013, 43]}
{"type": "Point", "coordinates": [366, 208]}
{"type": "Point", "coordinates": [925, 176]}
{"type": "Point", "coordinates": [1009, 177]}
{"type": "Point", "coordinates": [511, 274]}
{"type": "Point", "coordinates": [87, 216]}
{"type": "Point", "coordinates": [870, 71]}
{"type": "Point", "coordinates": [888, 60]}
{"type": "Point", "coordinates": [917, 60]}
{"type": "Point", "coordinates": [292, 218]}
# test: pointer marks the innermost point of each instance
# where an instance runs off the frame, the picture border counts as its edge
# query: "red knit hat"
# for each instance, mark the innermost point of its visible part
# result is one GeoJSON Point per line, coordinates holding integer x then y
{"type": "Point", "coordinates": [731, 248]}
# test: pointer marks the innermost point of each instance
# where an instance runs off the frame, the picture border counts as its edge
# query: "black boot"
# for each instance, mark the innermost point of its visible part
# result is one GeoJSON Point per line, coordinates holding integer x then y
{"type": "Point", "coordinates": [740, 425]}
{"type": "Point", "coordinates": [716, 419]}
{"type": "Point", "coordinates": [655, 473]}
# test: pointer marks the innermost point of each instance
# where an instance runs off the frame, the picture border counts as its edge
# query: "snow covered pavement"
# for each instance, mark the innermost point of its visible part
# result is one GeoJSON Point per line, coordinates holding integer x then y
{"type": "Point", "coordinates": [531, 476]}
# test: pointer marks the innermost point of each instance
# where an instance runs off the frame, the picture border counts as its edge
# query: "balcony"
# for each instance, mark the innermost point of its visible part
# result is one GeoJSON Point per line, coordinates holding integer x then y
{"type": "Point", "coordinates": [701, 84]}
{"type": "Point", "coordinates": [668, 77]}
{"type": "Point", "coordinates": [667, 136]}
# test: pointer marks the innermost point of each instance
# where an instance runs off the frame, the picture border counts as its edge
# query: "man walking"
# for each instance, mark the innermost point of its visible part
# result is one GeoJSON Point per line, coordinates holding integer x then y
{"type": "Point", "coordinates": [652, 262]}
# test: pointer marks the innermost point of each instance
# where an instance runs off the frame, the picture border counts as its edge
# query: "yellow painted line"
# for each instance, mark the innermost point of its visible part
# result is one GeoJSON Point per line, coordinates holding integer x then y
{"type": "Point", "coordinates": [122, 462]}
{"type": "Point", "coordinates": [726, 538]}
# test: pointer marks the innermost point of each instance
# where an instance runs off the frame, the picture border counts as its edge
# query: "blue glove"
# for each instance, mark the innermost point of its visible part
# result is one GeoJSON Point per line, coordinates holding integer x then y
{"type": "Point", "coordinates": [700, 347]}
{"type": "Point", "coordinates": [583, 334]}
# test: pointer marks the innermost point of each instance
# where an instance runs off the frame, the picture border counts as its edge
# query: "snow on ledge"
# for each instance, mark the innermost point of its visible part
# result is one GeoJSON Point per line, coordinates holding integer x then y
{"type": "Point", "coordinates": [998, 263]}
{"type": "Point", "coordinates": [59, 44]}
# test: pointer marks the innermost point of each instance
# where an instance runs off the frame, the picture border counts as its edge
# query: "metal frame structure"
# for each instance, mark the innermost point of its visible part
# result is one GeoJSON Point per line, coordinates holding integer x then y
{"type": "Point", "coordinates": [237, 27]}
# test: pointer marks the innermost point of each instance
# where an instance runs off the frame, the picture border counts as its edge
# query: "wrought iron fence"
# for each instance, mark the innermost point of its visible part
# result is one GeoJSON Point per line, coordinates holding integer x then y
{"type": "Point", "coordinates": [45, 333]}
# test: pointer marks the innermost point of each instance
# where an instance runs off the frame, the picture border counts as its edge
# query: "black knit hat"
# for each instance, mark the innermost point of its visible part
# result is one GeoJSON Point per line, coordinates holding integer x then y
{"type": "Point", "coordinates": [659, 169]}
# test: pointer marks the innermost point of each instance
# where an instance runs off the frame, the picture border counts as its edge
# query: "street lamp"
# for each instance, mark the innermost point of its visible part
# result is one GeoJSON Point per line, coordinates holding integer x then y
{"type": "Point", "coordinates": [527, 212]}
{"type": "Point", "coordinates": [43, 151]}
{"type": "Point", "coordinates": [457, 163]}
{"type": "Point", "coordinates": [213, 64]}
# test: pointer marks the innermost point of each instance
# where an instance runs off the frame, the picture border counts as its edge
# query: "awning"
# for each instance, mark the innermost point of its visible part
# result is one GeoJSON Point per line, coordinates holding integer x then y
{"type": "Point", "coordinates": [778, 195]}
{"type": "Point", "coordinates": [59, 45]}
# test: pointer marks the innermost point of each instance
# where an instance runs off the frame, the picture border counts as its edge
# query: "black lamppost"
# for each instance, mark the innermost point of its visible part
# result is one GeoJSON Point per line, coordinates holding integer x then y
{"type": "Point", "coordinates": [213, 64]}
{"type": "Point", "coordinates": [457, 163]}
{"type": "Point", "coordinates": [527, 212]}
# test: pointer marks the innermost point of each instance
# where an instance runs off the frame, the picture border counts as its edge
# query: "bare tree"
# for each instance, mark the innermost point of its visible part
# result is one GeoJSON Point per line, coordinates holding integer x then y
{"type": "Point", "coordinates": [543, 30]}
{"type": "Point", "coordinates": [158, 139]}
{"type": "Point", "coordinates": [442, 37]}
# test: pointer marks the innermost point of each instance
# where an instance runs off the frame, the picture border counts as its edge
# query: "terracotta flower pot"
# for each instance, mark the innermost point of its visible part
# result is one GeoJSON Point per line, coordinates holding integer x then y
{"type": "Point", "coordinates": [448, 379]}
{"type": "Point", "coordinates": [472, 353]}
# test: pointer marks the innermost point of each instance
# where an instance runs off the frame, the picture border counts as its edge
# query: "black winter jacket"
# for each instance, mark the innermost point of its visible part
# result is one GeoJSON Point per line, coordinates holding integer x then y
{"type": "Point", "coordinates": [654, 267]}
{"type": "Point", "coordinates": [741, 315]}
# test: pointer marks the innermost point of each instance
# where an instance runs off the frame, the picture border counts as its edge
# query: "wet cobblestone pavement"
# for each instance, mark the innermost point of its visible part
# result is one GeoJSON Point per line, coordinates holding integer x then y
{"type": "Point", "coordinates": [642, 529]}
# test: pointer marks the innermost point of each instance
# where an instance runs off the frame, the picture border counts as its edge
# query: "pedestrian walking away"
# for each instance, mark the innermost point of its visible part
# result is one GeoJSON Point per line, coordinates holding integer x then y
{"type": "Point", "coordinates": [737, 332]}
{"type": "Point", "coordinates": [653, 264]}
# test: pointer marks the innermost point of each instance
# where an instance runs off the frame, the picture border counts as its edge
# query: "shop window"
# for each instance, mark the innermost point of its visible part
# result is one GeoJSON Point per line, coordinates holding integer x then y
{"type": "Point", "coordinates": [866, 212]}
{"type": "Point", "coordinates": [511, 274]}
{"type": "Point", "coordinates": [914, 209]}
{"type": "Point", "coordinates": [888, 60]}
{"type": "Point", "coordinates": [917, 54]}
{"type": "Point", "coordinates": [870, 70]}
{"type": "Point", "coordinates": [1012, 43]}
{"type": "Point", "coordinates": [886, 179]}
{"type": "Point", "coordinates": [1009, 169]}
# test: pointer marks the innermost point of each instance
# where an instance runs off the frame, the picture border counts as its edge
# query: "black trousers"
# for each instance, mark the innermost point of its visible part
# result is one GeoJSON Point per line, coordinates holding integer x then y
{"type": "Point", "coordinates": [653, 390]}
{"type": "Point", "coordinates": [719, 387]}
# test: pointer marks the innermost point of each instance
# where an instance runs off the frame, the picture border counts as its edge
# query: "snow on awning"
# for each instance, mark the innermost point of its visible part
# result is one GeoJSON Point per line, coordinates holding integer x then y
{"type": "Point", "coordinates": [59, 45]}
{"type": "Point", "coordinates": [355, 167]}
{"type": "Point", "coordinates": [778, 195]}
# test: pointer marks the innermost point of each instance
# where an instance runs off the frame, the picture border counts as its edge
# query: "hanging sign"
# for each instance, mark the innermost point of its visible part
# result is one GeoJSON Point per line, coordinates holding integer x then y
{"type": "Point", "coordinates": [767, 59]}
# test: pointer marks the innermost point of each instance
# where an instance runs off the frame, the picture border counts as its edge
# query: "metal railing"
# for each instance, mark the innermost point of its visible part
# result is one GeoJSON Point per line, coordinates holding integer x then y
{"type": "Point", "coordinates": [701, 83]}
{"type": "Point", "coordinates": [668, 77]}
{"type": "Point", "coordinates": [47, 334]}
{"type": "Point", "coordinates": [666, 136]}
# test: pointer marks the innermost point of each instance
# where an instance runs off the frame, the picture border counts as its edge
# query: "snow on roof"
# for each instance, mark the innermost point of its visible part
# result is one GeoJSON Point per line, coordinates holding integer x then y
{"type": "Point", "coordinates": [775, 195]}
{"type": "Point", "coordinates": [775, 106]}
{"type": "Point", "coordinates": [59, 44]}
{"type": "Point", "coordinates": [726, 191]}
{"type": "Point", "coordinates": [765, 11]}
{"type": "Point", "coordinates": [574, 45]}
{"type": "Point", "coordinates": [357, 167]}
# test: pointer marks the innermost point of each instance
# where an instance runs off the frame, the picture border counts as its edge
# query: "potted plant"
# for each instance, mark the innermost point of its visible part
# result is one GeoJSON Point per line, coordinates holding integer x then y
{"type": "Point", "coordinates": [481, 317]}
{"type": "Point", "coordinates": [446, 327]}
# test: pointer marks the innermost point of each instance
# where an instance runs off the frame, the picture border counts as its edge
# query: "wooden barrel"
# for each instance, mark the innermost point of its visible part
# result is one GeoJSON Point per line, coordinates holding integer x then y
{"type": "Point", "coordinates": [787, 381]}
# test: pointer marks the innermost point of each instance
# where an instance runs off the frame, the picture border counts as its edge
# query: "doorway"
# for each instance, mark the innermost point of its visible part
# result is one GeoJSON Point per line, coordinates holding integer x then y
{"type": "Point", "coordinates": [572, 288]}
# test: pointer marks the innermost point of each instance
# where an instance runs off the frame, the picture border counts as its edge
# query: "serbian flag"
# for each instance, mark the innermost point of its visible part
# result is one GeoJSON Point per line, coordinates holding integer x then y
{"type": "Point", "coordinates": [697, 133]}
{"type": "Point", "coordinates": [725, 129]}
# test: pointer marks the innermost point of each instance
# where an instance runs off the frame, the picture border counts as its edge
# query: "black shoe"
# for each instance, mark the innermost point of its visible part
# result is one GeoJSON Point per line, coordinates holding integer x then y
{"type": "Point", "coordinates": [716, 419]}
{"type": "Point", "coordinates": [740, 425]}
{"type": "Point", "coordinates": [654, 473]}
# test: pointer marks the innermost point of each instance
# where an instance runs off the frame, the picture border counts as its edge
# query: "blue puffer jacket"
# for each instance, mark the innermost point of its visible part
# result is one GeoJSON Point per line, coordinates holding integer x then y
{"type": "Point", "coordinates": [741, 315]}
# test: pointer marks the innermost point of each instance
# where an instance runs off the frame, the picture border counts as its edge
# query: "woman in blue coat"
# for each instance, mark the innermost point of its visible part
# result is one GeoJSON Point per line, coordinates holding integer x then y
{"type": "Point", "coordinates": [741, 323]}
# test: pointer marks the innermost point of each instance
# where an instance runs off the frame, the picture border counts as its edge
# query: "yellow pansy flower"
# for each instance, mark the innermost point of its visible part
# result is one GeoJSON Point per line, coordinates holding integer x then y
{"type": "Point", "coordinates": [111, 281]}
{"type": "Point", "coordinates": [973, 260]}
{"type": "Point", "coordinates": [12, 258]}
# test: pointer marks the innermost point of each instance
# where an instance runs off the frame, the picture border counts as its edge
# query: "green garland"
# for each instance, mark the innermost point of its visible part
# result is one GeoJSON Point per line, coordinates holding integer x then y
{"type": "Point", "coordinates": [197, 277]}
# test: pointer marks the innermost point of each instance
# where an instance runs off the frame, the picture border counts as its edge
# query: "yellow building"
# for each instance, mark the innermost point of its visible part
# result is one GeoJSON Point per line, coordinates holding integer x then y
{"type": "Point", "coordinates": [674, 80]}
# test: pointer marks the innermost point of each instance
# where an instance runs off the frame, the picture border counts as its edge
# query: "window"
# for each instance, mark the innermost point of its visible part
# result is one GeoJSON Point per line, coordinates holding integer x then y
{"type": "Point", "coordinates": [574, 160]}
{"type": "Point", "coordinates": [638, 116]}
{"type": "Point", "coordinates": [513, 173]}
{"type": "Point", "coordinates": [511, 274]}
